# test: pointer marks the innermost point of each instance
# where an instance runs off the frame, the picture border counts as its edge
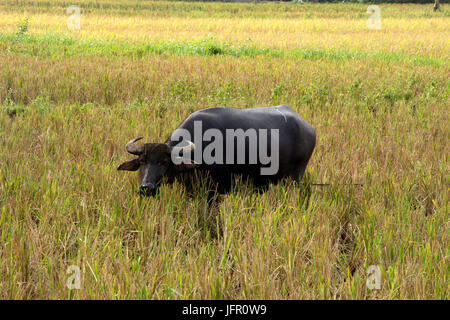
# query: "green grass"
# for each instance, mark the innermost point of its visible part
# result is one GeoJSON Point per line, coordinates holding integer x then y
{"type": "Point", "coordinates": [53, 45]}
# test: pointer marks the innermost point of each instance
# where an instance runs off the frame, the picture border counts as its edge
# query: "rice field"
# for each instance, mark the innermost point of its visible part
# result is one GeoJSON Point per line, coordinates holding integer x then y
{"type": "Point", "coordinates": [71, 99]}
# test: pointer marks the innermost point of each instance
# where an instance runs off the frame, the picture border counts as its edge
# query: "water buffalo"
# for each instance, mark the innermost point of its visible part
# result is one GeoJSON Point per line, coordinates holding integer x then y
{"type": "Point", "coordinates": [264, 144]}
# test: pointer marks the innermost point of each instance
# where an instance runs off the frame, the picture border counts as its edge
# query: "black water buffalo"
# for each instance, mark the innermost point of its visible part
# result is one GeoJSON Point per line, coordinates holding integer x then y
{"type": "Point", "coordinates": [264, 144]}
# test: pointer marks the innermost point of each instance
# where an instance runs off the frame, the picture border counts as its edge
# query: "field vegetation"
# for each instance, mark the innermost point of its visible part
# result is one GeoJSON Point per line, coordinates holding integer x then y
{"type": "Point", "coordinates": [70, 100]}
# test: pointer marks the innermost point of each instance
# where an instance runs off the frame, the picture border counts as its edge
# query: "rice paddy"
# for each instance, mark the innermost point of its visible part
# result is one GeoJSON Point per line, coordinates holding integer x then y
{"type": "Point", "coordinates": [71, 99]}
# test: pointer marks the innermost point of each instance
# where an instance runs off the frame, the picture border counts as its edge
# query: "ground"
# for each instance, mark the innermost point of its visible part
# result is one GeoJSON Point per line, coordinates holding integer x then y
{"type": "Point", "coordinates": [71, 99]}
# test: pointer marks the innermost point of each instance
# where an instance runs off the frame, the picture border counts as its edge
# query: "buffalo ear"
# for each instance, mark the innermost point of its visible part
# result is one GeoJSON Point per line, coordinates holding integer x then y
{"type": "Point", "coordinates": [130, 165]}
{"type": "Point", "coordinates": [187, 164]}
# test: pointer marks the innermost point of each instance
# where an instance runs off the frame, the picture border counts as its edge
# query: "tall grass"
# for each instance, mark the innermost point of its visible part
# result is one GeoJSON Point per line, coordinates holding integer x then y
{"type": "Point", "coordinates": [336, 27]}
{"type": "Point", "coordinates": [70, 103]}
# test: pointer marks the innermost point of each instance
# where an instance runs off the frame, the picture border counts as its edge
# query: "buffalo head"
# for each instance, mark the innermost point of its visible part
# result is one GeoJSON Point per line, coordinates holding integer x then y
{"type": "Point", "coordinates": [155, 161]}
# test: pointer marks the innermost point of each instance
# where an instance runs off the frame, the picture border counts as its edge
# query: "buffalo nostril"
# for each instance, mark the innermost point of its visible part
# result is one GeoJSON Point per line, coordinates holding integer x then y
{"type": "Point", "coordinates": [147, 189]}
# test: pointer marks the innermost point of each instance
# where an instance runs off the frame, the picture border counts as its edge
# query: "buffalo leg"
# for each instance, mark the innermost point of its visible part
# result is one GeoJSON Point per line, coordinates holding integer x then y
{"type": "Point", "coordinates": [297, 173]}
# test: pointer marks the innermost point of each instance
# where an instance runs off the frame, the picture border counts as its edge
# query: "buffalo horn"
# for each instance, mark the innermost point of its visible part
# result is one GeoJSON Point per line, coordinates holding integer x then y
{"type": "Point", "coordinates": [134, 149]}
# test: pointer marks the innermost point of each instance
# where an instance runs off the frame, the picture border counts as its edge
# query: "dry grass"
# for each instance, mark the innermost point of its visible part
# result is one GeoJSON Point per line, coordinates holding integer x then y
{"type": "Point", "coordinates": [380, 121]}
{"type": "Point", "coordinates": [426, 34]}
